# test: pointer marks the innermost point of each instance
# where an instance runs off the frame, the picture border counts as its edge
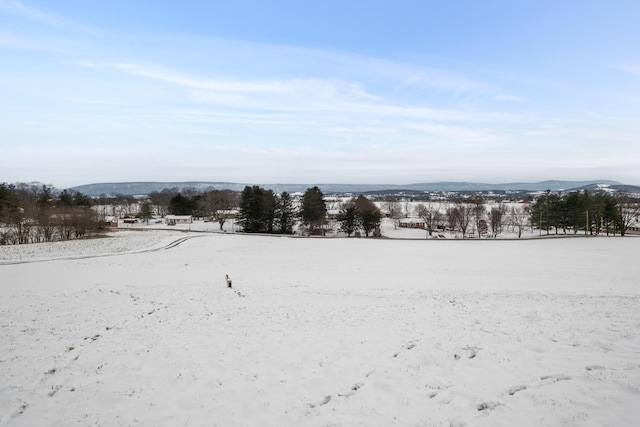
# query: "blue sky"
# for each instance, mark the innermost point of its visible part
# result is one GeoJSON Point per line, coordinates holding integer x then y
{"type": "Point", "coordinates": [330, 92]}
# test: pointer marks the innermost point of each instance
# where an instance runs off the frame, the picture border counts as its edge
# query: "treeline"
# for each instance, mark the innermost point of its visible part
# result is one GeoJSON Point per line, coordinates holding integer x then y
{"type": "Point", "coordinates": [255, 209]}
{"type": "Point", "coordinates": [30, 214]}
{"type": "Point", "coordinates": [469, 216]}
{"type": "Point", "coordinates": [264, 211]}
{"type": "Point", "coordinates": [592, 212]}
{"type": "Point", "coordinates": [212, 204]}
{"type": "Point", "coordinates": [260, 210]}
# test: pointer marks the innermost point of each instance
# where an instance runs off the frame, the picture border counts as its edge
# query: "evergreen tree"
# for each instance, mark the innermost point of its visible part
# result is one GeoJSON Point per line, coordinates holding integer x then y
{"type": "Point", "coordinates": [250, 209]}
{"type": "Point", "coordinates": [368, 213]}
{"type": "Point", "coordinates": [348, 218]}
{"type": "Point", "coordinates": [268, 210]}
{"type": "Point", "coordinates": [181, 205]}
{"type": "Point", "coordinates": [313, 210]}
{"type": "Point", "coordinates": [574, 206]}
{"type": "Point", "coordinates": [6, 201]}
{"type": "Point", "coordinates": [285, 213]}
{"type": "Point", "coordinates": [74, 198]}
{"type": "Point", "coordinates": [611, 219]}
{"type": "Point", "coordinates": [257, 209]}
{"type": "Point", "coordinates": [542, 215]}
{"type": "Point", "coordinates": [146, 213]}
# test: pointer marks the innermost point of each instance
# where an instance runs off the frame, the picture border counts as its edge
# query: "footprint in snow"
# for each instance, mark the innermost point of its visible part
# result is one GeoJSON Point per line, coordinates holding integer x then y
{"type": "Point", "coordinates": [488, 406]}
{"type": "Point", "coordinates": [513, 390]}
{"type": "Point", "coordinates": [408, 346]}
{"type": "Point", "coordinates": [351, 392]}
{"type": "Point", "coordinates": [555, 378]}
{"type": "Point", "coordinates": [470, 352]}
{"type": "Point", "coordinates": [326, 400]}
{"type": "Point", "coordinates": [595, 368]}
{"type": "Point", "coordinates": [20, 410]}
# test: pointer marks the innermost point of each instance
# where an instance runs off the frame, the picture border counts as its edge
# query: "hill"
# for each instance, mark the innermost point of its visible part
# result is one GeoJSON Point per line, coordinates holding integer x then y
{"type": "Point", "coordinates": [144, 188]}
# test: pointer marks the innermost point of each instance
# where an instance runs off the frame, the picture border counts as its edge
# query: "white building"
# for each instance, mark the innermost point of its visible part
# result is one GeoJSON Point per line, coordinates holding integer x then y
{"type": "Point", "coordinates": [178, 219]}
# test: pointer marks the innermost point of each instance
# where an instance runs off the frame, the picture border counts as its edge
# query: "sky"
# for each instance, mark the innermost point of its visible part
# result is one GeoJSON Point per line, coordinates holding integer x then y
{"type": "Point", "coordinates": [373, 92]}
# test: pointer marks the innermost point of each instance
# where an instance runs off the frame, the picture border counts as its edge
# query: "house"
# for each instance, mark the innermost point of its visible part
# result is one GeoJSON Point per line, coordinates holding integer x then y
{"type": "Point", "coordinates": [634, 227]}
{"type": "Point", "coordinates": [178, 219]}
{"type": "Point", "coordinates": [412, 223]}
{"type": "Point", "coordinates": [110, 221]}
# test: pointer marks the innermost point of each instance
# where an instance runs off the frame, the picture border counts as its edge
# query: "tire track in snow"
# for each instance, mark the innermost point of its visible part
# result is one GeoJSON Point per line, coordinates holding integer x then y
{"type": "Point", "coordinates": [168, 246]}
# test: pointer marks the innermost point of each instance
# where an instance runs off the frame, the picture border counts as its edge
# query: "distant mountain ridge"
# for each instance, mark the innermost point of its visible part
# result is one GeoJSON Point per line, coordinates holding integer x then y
{"type": "Point", "coordinates": [144, 188]}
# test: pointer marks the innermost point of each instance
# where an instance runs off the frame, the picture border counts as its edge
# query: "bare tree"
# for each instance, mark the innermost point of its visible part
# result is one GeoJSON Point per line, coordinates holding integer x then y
{"type": "Point", "coordinates": [84, 221]}
{"type": "Point", "coordinates": [45, 209]}
{"type": "Point", "coordinates": [124, 205]}
{"type": "Point", "coordinates": [629, 211]}
{"type": "Point", "coordinates": [64, 222]}
{"type": "Point", "coordinates": [451, 216]}
{"type": "Point", "coordinates": [479, 212]}
{"type": "Point", "coordinates": [22, 217]}
{"type": "Point", "coordinates": [219, 205]}
{"type": "Point", "coordinates": [407, 209]}
{"type": "Point", "coordinates": [495, 219]}
{"type": "Point", "coordinates": [160, 200]}
{"type": "Point", "coordinates": [29, 214]}
{"type": "Point", "coordinates": [463, 214]}
{"type": "Point", "coordinates": [393, 209]}
{"type": "Point", "coordinates": [518, 219]}
{"type": "Point", "coordinates": [430, 214]}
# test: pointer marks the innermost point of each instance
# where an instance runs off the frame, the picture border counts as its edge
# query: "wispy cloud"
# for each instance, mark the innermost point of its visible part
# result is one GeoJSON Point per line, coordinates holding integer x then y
{"type": "Point", "coordinates": [446, 80]}
{"type": "Point", "coordinates": [20, 9]}
{"type": "Point", "coordinates": [510, 98]}
{"type": "Point", "coordinates": [174, 77]}
{"type": "Point", "coordinates": [47, 23]}
{"type": "Point", "coordinates": [333, 94]}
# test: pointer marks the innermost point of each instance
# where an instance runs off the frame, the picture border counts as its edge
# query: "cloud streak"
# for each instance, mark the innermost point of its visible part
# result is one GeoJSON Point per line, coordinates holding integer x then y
{"type": "Point", "coordinates": [29, 13]}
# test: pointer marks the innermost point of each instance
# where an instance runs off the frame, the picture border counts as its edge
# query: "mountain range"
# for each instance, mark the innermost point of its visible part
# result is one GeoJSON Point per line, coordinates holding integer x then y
{"type": "Point", "coordinates": [144, 188]}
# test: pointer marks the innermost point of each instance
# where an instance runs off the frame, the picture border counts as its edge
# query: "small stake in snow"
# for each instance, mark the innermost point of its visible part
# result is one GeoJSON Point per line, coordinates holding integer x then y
{"type": "Point", "coordinates": [228, 279]}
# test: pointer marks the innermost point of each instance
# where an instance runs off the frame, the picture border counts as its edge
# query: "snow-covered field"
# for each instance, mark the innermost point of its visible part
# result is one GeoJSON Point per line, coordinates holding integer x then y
{"type": "Point", "coordinates": [319, 332]}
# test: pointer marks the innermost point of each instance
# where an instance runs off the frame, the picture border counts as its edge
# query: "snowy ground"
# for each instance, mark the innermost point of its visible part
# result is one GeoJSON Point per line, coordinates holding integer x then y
{"type": "Point", "coordinates": [320, 332]}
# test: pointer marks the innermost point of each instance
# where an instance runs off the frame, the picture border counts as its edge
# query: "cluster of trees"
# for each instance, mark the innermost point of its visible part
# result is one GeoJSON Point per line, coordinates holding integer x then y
{"type": "Point", "coordinates": [474, 216]}
{"type": "Point", "coordinates": [212, 204]}
{"type": "Point", "coordinates": [467, 216]}
{"type": "Point", "coordinates": [30, 214]}
{"type": "Point", "coordinates": [592, 212]}
{"type": "Point", "coordinates": [359, 214]}
{"type": "Point", "coordinates": [263, 211]}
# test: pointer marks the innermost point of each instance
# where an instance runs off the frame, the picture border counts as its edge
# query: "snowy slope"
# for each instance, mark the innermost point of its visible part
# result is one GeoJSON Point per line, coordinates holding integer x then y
{"type": "Point", "coordinates": [319, 332]}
